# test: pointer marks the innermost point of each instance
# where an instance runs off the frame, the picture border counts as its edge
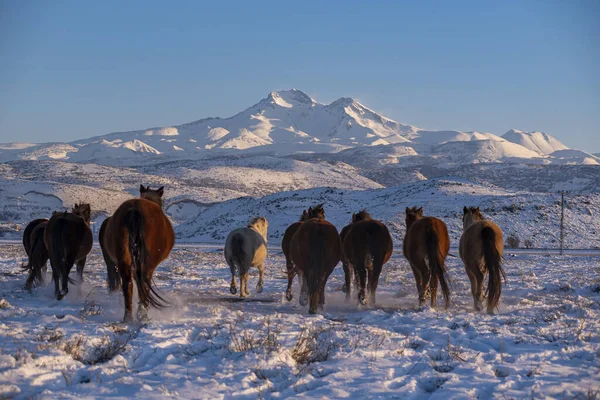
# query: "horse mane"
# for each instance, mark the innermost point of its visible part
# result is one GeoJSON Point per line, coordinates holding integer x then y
{"type": "Point", "coordinates": [260, 225]}
{"type": "Point", "coordinates": [316, 212]}
{"type": "Point", "coordinates": [154, 196]}
{"type": "Point", "coordinates": [361, 216]}
{"type": "Point", "coordinates": [476, 212]}
{"type": "Point", "coordinates": [304, 216]}
{"type": "Point", "coordinates": [83, 210]}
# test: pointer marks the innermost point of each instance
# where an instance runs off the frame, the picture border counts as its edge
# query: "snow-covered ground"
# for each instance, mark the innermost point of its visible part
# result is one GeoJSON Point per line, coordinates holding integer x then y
{"type": "Point", "coordinates": [544, 343]}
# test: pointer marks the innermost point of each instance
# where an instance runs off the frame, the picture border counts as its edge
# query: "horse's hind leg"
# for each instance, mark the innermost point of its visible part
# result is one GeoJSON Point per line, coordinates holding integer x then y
{"type": "Point", "coordinates": [244, 285]}
{"type": "Point", "coordinates": [422, 276]}
{"type": "Point", "coordinates": [347, 288]}
{"type": "Point", "coordinates": [232, 287]}
{"type": "Point", "coordinates": [127, 285]}
{"type": "Point", "coordinates": [373, 282]}
{"type": "Point", "coordinates": [291, 272]}
{"type": "Point", "coordinates": [80, 265]}
{"type": "Point", "coordinates": [433, 286]}
{"type": "Point", "coordinates": [303, 290]}
{"type": "Point", "coordinates": [261, 272]}
{"type": "Point", "coordinates": [476, 278]}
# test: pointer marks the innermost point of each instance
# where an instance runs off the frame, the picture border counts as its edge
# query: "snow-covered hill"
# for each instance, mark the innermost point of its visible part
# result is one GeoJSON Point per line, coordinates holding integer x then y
{"type": "Point", "coordinates": [536, 141]}
{"type": "Point", "coordinates": [529, 216]}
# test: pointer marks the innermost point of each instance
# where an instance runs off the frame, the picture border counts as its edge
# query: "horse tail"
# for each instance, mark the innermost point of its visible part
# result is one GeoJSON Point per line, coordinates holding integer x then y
{"type": "Point", "coordinates": [135, 225]}
{"type": "Point", "coordinates": [316, 261]}
{"type": "Point", "coordinates": [436, 262]}
{"type": "Point", "coordinates": [239, 257]}
{"type": "Point", "coordinates": [58, 255]}
{"type": "Point", "coordinates": [492, 259]}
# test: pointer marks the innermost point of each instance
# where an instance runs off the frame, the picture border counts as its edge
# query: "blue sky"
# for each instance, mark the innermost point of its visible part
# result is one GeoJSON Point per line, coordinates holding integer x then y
{"type": "Point", "coordinates": [74, 69]}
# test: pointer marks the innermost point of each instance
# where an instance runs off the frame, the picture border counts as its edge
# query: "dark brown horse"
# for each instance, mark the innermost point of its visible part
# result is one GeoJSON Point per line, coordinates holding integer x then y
{"type": "Point", "coordinates": [68, 238]}
{"type": "Point", "coordinates": [316, 212]}
{"type": "Point", "coordinates": [137, 238]}
{"type": "Point", "coordinates": [367, 247]}
{"type": "Point", "coordinates": [426, 245]}
{"type": "Point", "coordinates": [315, 251]}
{"type": "Point", "coordinates": [481, 247]}
{"type": "Point", "coordinates": [37, 254]}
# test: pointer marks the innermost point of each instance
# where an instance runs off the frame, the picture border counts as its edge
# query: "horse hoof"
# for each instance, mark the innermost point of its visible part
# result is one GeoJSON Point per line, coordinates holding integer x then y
{"type": "Point", "coordinates": [233, 290]}
{"type": "Point", "coordinates": [303, 299]}
{"type": "Point", "coordinates": [344, 288]}
{"type": "Point", "coordinates": [259, 287]}
{"type": "Point", "coordinates": [288, 296]}
{"type": "Point", "coordinates": [312, 311]}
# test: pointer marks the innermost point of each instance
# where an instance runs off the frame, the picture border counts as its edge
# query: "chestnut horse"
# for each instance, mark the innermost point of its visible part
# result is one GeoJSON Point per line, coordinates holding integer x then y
{"type": "Point", "coordinates": [285, 247]}
{"type": "Point", "coordinates": [137, 238]}
{"type": "Point", "coordinates": [37, 254]}
{"type": "Point", "coordinates": [69, 239]}
{"type": "Point", "coordinates": [315, 251]}
{"type": "Point", "coordinates": [481, 247]}
{"type": "Point", "coordinates": [367, 247]}
{"type": "Point", "coordinates": [426, 245]}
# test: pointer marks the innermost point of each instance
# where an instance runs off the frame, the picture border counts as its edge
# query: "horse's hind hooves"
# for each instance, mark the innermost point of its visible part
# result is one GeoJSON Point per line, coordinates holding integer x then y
{"type": "Point", "coordinates": [259, 288]}
{"type": "Point", "coordinates": [233, 290]}
{"type": "Point", "coordinates": [289, 296]}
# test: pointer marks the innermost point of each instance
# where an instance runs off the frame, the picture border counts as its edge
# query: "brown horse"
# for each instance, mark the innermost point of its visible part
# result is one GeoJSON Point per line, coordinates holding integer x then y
{"type": "Point", "coordinates": [367, 247]}
{"type": "Point", "coordinates": [481, 247]}
{"type": "Point", "coordinates": [68, 238]}
{"type": "Point", "coordinates": [315, 251]}
{"type": "Point", "coordinates": [137, 238]}
{"type": "Point", "coordinates": [316, 212]}
{"type": "Point", "coordinates": [426, 245]}
{"type": "Point", "coordinates": [37, 254]}
{"type": "Point", "coordinates": [285, 247]}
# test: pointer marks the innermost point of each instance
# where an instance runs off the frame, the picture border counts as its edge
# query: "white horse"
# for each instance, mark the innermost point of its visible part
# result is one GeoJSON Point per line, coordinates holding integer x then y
{"type": "Point", "coordinates": [244, 248]}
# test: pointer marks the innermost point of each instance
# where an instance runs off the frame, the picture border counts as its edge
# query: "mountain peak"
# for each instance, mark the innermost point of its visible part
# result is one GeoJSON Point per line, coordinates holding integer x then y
{"type": "Point", "coordinates": [290, 98]}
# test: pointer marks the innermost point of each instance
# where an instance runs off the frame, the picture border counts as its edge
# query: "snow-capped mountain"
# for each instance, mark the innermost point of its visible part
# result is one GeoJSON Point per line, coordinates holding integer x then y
{"type": "Point", "coordinates": [288, 122]}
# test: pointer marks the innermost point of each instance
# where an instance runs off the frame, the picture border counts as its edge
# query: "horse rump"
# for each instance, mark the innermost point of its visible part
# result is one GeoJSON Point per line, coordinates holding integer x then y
{"type": "Point", "coordinates": [136, 228]}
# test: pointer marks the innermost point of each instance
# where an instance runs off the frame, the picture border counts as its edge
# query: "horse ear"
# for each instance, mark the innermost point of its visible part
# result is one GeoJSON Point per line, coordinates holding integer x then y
{"type": "Point", "coordinates": [477, 209]}
{"type": "Point", "coordinates": [407, 210]}
{"type": "Point", "coordinates": [142, 189]}
{"type": "Point", "coordinates": [420, 211]}
{"type": "Point", "coordinates": [161, 191]}
{"type": "Point", "coordinates": [465, 210]}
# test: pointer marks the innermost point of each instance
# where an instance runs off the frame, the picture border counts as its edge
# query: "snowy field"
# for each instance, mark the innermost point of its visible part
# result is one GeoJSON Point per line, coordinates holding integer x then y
{"type": "Point", "coordinates": [544, 343]}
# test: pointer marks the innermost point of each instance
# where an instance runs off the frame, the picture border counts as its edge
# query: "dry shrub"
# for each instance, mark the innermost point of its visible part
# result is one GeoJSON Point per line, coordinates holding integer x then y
{"type": "Point", "coordinates": [314, 345]}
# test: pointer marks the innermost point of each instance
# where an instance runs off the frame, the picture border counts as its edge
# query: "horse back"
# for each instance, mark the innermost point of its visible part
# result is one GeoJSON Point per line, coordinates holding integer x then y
{"type": "Point", "coordinates": [27, 233]}
{"type": "Point", "coordinates": [72, 231]}
{"type": "Point", "coordinates": [415, 240]}
{"type": "Point", "coordinates": [316, 238]}
{"type": "Point", "coordinates": [287, 237]}
{"type": "Point", "coordinates": [471, 241]}
{"type": "Point", "coordinates": [247, 242]}
{"type": "Point", "coordinates": [159, 235]}
{"type": "Point", "coordinates": [368, 236]}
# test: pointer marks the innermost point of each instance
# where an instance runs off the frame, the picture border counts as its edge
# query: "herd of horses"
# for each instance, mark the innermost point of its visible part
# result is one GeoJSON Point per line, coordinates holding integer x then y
{"type": "Point", "coordinates": [139, 236]}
